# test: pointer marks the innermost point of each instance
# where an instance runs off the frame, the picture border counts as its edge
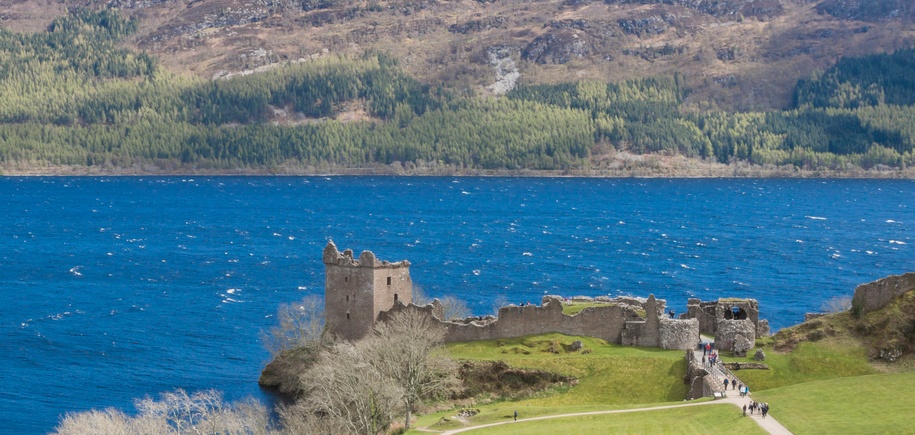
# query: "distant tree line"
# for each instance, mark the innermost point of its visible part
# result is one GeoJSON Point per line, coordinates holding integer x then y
{"type": "Point", "coordinates": [70, 96]}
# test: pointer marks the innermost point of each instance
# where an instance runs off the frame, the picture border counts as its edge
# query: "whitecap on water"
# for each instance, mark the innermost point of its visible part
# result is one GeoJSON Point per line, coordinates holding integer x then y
{"type": "Point", "coordinates": [76, 271]}
{"type": "Point", "coordinates": [476, 272]}
{"type": "Point", "coordinates": [890, 221]}
{"type": "Point", "coordinates": [816, 218]}
{"type": "Point", "coordinates": [527, 254]}
{"type": "Point", "coordinates": [302, 287]}
{"type": "Point", "coordinates": [897, 242]}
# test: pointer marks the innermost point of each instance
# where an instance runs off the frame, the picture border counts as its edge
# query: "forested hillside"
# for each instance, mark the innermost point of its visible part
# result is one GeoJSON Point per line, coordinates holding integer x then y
{"type": "Point", "coordinates": [71, 97]}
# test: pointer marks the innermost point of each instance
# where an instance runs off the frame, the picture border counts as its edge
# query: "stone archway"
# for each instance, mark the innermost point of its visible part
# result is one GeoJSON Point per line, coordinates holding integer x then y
{"type": "Point", "coordinates": [735, 313]}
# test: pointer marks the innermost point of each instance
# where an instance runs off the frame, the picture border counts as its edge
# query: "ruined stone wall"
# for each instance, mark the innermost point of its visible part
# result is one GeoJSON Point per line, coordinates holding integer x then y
{"type": "Point", "coordinates": [606, 322]}
{"type": "Point", "coordinates": [728, 330]}
{"type": "Point", "coordinates": [704, 312]}
{"type": "Point", "coordinates": [875, 295]}
{"type": "Point", "coordinates": [515, 321]}
{"type": "Point", "coordinates": [679, 334]}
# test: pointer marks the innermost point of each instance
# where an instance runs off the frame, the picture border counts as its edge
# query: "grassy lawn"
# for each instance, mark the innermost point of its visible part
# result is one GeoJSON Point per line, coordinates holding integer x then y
{"type": "Point", "coordinates": [810, 361]}
{"type": "Point", "coordinates": [690, 420]}
{"type": "Point", "coordinates": [861, 404]}
{"type": "Point", "coordinates": [610, 376]}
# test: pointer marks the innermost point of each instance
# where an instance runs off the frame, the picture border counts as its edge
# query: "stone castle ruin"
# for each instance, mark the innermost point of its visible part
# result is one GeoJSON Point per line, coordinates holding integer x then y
{"type": "Point", "coordinates": [357, 291]}
{"type": "Point", "coordinates": [360, 292]}
{"type": "Point", "coordinates": [730, 321]}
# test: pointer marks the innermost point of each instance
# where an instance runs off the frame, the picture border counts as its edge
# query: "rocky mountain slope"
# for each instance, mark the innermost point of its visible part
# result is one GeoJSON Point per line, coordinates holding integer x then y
{"type": "Point", "coordinates": [735, 54]}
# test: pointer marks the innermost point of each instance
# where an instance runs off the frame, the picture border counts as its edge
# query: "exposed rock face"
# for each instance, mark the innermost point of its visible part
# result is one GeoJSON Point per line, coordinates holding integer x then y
{"type": "Point", "coordinates": [556, 47]}
{"type": "Point", "coordinates": [875, 295]}
{"type": "Point", "coordinates": [500, 57]}
{"type": "Point", "coordinates": [760, 355]}
{"type": "Point", "coordinates": [867, 10]}
{"type": "Point", "coordinates": [763, 9]}
{"type": "Point", "coordinates": [134, 4]}
{"type": "Point", "coordinates": [891, 354]}
{"type": "Point", "coordinates": [480, 25]}
{"type": "Point", "coordinates": [653, 25]}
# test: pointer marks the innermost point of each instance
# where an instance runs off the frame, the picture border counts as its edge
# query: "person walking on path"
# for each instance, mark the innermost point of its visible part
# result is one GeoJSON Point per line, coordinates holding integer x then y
{"type": "Point", "coordinates": [516, 415]}
{"type": "Point", "coordinates": [726, 384]}
{"type": "Point", "coordinates": [744, 409]}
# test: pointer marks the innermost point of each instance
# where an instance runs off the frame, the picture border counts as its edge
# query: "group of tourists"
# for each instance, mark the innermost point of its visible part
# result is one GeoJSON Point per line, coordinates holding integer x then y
{"type": "Point", "coordinates": [762, 408]}
{"type": "Point", "coordinates": [709, 357]}
{"type": "Point", "coordinates": [733, 384]}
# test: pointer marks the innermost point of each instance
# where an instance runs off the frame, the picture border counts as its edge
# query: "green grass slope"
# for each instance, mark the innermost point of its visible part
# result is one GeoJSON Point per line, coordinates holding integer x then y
{"type": "Point", "coordinates": [610, 374]}
{"type": "Point", "coordinates": [880, 403]}
{"type": "Point", "coordinates": [808, 362]}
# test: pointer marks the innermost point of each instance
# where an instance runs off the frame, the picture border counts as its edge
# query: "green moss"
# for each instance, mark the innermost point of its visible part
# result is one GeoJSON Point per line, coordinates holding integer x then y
{"type": "Point", "coordinates": [573, 308]}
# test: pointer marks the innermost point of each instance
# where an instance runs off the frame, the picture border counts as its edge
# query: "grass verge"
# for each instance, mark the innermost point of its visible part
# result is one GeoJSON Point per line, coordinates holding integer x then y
{"type": "Point", "coordinates": [689, 420]}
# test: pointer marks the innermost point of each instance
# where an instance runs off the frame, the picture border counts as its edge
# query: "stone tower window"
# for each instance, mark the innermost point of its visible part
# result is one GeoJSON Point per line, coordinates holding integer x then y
{"type": "Point", "coordinates": [347, 316]}
{"type": "Point", "coordinates": [347, 298]}
{"type": "Point", "coordinates": [345, 279]}
{"type": "Point", "coordinates": [389, 280]}
{"type": "Point", "coordinates": [395, 297]}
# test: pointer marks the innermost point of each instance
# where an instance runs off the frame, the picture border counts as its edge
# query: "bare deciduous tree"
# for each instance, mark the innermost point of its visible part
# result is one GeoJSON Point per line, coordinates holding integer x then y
{"type": "Point", "coordinates": [177, 412]}
{"type": "Point", "coordinates": [837, 304]}
{"type": "Point", "coordinates": [499, 302]}
{"type": "Point", "coordinates": [419, 296]}
{"type": "Point", "coordinates": [301, 325]}
{"type": "Point", "coordinates": [454, 308]}
{"type": "Point", "coordinates": [108, 421]}
{"type": "Point", "coordinates": [345, 388]}
{"type": "Point", "coordinates": [401, 349]}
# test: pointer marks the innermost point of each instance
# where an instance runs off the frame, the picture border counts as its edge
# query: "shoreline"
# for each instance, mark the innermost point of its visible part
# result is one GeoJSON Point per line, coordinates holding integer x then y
{"type": "Point", "coordinates": [725, 172]}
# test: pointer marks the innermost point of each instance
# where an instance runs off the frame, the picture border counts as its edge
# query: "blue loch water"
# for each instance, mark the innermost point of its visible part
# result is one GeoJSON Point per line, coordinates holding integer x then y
{"type": "Point", "coordinates": [117, 288]}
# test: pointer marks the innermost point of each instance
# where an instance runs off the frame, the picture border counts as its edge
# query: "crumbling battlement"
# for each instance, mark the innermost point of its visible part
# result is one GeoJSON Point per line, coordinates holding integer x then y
{"type": "Point", "coordinates": [875, 295]}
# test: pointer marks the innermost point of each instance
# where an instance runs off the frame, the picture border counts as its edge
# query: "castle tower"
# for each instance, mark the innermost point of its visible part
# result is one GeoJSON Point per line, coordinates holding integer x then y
{"type": "Point", "coordinates": [357, 290]}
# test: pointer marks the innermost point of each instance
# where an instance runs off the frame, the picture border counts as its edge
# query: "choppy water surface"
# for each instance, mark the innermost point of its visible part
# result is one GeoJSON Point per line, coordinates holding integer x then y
{"type": "Point", "coordinates": [116, 288]}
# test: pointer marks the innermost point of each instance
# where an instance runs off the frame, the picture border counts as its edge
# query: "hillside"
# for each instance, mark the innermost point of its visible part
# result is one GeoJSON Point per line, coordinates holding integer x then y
{"type": "Point", "coordinates": [101, 92]}
{"type": "Point", "coordinates": [734, 54]}
{"type": "Point", "coordinates": [887, 335]}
